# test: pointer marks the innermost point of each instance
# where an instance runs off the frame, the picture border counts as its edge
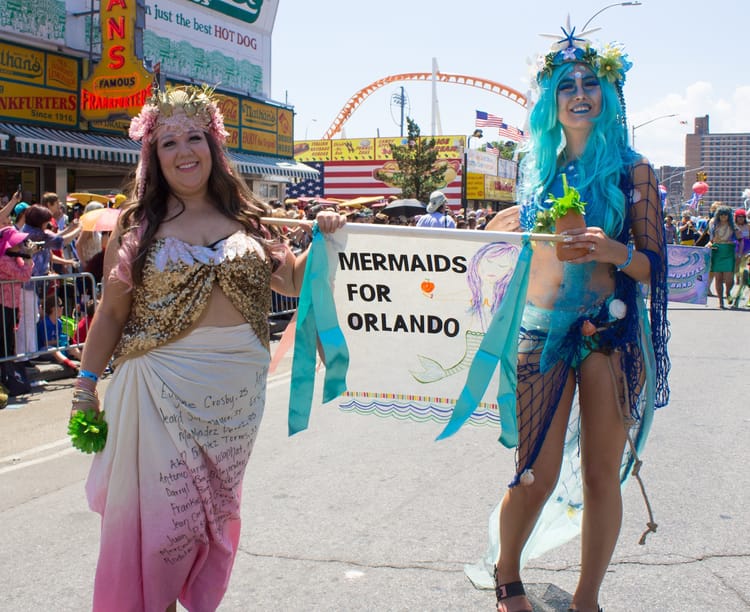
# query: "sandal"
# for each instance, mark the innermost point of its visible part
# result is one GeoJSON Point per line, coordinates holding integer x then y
{"type": "Point", "coordinates": [508, 590]}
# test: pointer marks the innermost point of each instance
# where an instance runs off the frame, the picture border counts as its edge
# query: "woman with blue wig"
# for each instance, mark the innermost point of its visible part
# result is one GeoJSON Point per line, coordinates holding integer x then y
{"type": "Point", "coordinates": [592, 359]}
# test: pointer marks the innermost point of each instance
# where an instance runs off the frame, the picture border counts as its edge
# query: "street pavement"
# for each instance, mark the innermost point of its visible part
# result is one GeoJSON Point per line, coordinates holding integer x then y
{"type": "Point", "coordinates": [361, 513]}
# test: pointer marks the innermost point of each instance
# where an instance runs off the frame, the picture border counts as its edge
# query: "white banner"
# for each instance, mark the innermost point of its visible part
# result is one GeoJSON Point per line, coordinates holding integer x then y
{"type": "Point", "coordinates": [413, 305]}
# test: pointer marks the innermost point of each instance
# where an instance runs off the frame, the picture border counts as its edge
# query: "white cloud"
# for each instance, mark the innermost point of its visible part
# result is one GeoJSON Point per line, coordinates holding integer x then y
{"type": "Point", "coordinates": [663, 141]}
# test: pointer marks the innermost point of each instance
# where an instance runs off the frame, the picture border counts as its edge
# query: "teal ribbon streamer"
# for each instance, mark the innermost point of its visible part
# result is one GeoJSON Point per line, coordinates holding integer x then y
{"type": "Point", "coordinates": [316, 321]}
{"type": "Point", "coordinates": [499, 346]}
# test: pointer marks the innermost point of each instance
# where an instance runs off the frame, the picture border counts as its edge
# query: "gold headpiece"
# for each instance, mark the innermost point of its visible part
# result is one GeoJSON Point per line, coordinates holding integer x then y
{"type": "Point", "coordinates": [182, 109]}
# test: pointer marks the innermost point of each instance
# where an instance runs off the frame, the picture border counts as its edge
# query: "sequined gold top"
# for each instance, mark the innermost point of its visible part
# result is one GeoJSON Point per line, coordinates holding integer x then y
{"type": "Point", "coordinates": [177, 281]}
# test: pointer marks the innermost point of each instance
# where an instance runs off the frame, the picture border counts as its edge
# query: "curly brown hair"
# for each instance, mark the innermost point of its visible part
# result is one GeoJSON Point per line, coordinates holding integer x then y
{"type": "Point", "coordinates": [226, 189]}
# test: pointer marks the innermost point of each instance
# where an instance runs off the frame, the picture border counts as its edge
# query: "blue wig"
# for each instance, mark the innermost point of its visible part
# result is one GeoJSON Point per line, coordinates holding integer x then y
{"type": "Point", "coordinates": [606, 158]}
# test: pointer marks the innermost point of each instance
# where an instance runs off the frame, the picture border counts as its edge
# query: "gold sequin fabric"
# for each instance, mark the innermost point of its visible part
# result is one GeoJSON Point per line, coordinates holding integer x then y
{"type": "Point", "coordinates": [177, 281]}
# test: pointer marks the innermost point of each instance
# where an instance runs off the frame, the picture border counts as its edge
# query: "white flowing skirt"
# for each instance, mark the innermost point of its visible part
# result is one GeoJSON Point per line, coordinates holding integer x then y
{"type": "Point", "coordinates": [182, 423]}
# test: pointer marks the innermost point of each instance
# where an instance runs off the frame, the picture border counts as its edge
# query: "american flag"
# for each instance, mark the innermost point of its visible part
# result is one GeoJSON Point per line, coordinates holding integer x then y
{"type": "Point", "coordinates": [487, 120]}
{"type": "Point", "coordinates": [309, 187]}
{"type": "Point", "coordinates": [492, 149]}
{"type": "Point", "coordinates": [510, 132]}
{"type": "Point", "coordinates": [346, 180]}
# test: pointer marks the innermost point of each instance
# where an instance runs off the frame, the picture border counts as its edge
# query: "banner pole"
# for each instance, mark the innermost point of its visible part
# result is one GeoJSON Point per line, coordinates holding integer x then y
{"type": "Point", "coordinates": [499, 235]}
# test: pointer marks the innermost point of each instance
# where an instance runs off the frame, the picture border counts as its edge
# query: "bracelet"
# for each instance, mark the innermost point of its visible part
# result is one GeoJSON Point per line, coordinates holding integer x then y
{"type": "Point", "coordinates": [626, 263]}
{"type": "Point", "coordinates": [95, 378]}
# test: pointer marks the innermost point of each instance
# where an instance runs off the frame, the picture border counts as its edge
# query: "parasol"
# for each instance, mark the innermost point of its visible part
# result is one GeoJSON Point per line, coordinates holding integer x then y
{"type": "Point", "coordinates": [405, 208]}
{"type": "Point", "coordinates": [99, 220]}
{"type": "Point", "coordinates": [85, 198]}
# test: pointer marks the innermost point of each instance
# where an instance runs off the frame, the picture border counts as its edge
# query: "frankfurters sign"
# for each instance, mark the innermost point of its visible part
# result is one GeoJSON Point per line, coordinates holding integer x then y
{"type": "Point", "coordinates": [120, 85]}
{"type": "Point", "coordinates": [38, 86]}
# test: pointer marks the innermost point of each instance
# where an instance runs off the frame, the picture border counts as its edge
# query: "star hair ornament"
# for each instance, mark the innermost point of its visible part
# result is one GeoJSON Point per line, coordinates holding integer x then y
{"type": "Point", "coordinates": [181, 109]}
{"type": "Point", "coordinates": [609, 62]}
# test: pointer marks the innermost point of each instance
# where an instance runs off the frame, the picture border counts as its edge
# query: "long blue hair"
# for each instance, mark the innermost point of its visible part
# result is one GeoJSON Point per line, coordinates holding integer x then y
{"type": "Point", "coordinates": [606, 157]}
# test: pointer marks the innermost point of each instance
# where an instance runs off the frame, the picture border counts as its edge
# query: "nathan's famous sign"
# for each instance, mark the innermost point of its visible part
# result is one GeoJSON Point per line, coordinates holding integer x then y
{"type": "Point", "coordinates": [38, 86]}
{"type": "Point", "coordinates": [120, 85]}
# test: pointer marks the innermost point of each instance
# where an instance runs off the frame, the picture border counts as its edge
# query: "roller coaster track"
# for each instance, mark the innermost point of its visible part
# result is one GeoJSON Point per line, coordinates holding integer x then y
{"type": "Point", "coordinates": [459, 79]}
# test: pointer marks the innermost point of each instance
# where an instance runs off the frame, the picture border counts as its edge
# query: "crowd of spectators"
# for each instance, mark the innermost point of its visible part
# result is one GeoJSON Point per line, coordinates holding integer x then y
{"type": "Point", "coordinates": [48, 320]}
{"type": "Point", "coordinates": [46, 305]}
{"type": "Point", "coordinates": [721, 230]}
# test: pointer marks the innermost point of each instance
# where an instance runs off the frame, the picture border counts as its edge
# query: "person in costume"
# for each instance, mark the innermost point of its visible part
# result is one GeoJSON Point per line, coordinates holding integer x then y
{"type": "Point", "coordinates": [592, 363]}
{"type": "Point", "coordinates": [724, 234]}
{"type": "Point", "coordinates": [743, 242]}
{"type": "Point", "coordinates": [188, 278]}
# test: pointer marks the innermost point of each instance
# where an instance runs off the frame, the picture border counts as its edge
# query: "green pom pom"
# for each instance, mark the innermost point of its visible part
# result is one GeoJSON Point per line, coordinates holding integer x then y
{"type": "Point", "coordinates": [88, 430]}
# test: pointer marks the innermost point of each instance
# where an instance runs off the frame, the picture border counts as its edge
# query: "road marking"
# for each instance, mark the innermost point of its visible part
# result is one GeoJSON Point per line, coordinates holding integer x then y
{"type": "Point", "coordinates": [25, 464]}
{"type": "Point", "coordinates": [16, 458]}
{"type": "Point", "coordinates": [34, 451]}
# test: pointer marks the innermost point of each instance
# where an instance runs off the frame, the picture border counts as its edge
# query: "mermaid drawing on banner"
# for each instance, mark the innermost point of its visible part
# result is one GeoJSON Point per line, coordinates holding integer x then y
{"type": "Point", "coordinates": [488, 275]}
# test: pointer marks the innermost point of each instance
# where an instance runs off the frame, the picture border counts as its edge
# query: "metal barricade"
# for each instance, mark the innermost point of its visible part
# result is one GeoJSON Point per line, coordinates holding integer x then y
{"type": "Point", "coordinates": [41, 316]}
{"type": "Point", "coordinates": [282, 309]}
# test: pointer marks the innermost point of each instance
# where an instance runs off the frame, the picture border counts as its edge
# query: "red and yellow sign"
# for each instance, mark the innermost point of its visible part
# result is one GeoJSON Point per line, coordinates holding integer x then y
{"type": "Point", "coordinates": [230, 109]}
{"type": "Point", "coordinates": [259, 142]}
{"type": "Point", "coordinates": [499, 189]}
{"type": "Point", "coordinates": [285, 142]}
{"type": "Point", "coordinates": [475, 186]}
{"type": "Point", "coordinates": [21, 64]}
{"type": "Point", "coordinates": [29, 102]}
{"type": "Point", "coordinates": [353, 149]}
{"type": "Point", "coordinates": [233, 138]}
{"type": "Point", "coordinates": [259, 116]}
{"type": "Point", "coordinates": [38, 86]}
{"type": "Point", "coordinates": [448, 147]}
{"type": "Point", "coordinates": [312, 150]}
{"type": "Point", "coordinates": [383, 146]}
{"type": "Point", "coordinates": [120, 84]}
{"type": "Point", "coordinates": [62, 72]}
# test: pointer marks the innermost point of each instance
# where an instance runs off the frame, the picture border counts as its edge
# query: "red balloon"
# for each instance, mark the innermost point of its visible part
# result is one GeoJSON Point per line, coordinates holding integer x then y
{"type": "Point", "coordinates": [700, 188]}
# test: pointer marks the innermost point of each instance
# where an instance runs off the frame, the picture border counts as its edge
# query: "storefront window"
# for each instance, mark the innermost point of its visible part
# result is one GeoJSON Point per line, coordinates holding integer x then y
{"type": "Point", "coordinates": [13, 176]}
{"type": "Point", "coordinates": [267, 191]}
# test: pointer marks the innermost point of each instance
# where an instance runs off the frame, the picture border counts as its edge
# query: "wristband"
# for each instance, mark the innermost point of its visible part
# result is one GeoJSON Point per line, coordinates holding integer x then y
{"type": "Point", "coordinates": [92, 376]}
{"type": "Point", "coordinates": [626, 263]}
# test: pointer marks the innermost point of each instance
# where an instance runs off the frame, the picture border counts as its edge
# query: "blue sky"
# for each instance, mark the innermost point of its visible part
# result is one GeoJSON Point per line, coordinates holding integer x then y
{"type": "Point", "coordinates": [689, 59]}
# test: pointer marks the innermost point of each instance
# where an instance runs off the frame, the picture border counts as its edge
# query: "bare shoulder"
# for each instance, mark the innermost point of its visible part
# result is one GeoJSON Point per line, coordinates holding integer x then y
{"type": "Point", "coordinates": [642, 172]}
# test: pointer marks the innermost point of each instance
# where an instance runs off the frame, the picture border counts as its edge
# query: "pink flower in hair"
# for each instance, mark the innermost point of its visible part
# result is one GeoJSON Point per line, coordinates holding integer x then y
{"type": "Point", "coordinates": [142, 126]}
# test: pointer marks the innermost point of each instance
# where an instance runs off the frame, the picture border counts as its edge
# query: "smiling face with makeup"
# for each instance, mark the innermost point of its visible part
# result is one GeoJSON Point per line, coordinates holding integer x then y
{"type": "Point", "coordinates": [185, 160]}
{"type": "Point", "coordinates": [579, 99]}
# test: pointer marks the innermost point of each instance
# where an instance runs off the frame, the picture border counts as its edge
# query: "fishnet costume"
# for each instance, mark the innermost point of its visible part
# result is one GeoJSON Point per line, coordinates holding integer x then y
{"type": "Point", "coordinates": [549, 350]}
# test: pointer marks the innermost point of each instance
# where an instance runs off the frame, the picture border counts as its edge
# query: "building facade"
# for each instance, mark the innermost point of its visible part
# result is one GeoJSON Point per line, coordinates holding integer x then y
{"type": "Point", "coordinates": [73, 73]}
{"type": "Point", "coordinates": [725, 160]}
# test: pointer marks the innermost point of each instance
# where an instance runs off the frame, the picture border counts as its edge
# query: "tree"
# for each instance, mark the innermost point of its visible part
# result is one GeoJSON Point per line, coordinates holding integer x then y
{"type": "Point", "coordinates": [507, 149]}
{"type": "Point", "coordinates": [418, 175]}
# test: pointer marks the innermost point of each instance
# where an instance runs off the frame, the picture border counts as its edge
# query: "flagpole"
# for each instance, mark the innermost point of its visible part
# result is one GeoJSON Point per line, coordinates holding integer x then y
{"type": "Point", "coordinates": [510, 236]}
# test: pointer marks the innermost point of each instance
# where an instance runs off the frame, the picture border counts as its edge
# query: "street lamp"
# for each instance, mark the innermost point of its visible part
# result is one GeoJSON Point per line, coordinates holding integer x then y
{"type": "Point", "coordinates": [609, 6]}
{"type": "Point", "coordinates": [640, 125]}
{"type": "Point", "coordinates": [476, 134]}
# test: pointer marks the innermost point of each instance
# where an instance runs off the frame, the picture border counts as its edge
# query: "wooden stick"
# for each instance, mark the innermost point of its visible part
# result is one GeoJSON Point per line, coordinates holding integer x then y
{"type": "Point", "coordinates": [511, 236]}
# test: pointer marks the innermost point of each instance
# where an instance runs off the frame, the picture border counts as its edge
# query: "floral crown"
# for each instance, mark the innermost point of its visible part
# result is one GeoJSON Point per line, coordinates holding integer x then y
{"type": "Point", "coordinates": [181, 109]}
{"type": "Point", "coordinates": [609, 63]}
